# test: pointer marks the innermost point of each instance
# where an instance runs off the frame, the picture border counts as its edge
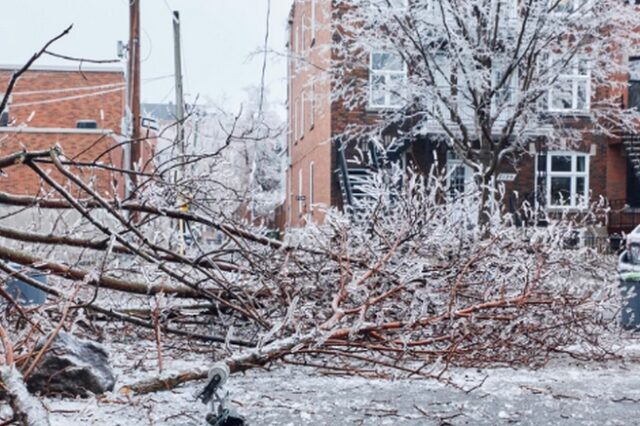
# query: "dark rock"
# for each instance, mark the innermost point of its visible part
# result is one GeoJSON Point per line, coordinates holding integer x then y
{"type": "Point", "coordinates": [72, 367]}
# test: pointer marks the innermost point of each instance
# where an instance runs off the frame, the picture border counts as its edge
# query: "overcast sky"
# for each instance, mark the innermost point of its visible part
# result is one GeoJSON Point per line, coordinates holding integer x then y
{"type": "Point", "coordinates": [219, 37]}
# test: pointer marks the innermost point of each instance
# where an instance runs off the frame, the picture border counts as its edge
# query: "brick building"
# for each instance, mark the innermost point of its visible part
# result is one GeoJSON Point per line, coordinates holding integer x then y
{"type": "Point", "coordinates": [322, 169]}
{"type": "Point", "coordinates": [80, 110]}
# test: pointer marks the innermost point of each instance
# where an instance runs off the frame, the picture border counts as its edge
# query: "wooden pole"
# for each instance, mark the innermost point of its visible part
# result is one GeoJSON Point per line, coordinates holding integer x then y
{"type": "Point", "coordinates": [134, 85]}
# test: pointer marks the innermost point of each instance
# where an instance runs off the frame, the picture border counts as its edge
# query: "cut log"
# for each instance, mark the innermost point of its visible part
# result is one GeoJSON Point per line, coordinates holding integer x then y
{"type": "Point", "coordinates": [27, 409]}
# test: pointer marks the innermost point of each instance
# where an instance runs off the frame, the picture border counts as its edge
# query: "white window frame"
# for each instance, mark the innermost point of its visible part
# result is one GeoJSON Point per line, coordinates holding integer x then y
{"type": "Point", "coordinates": [295, 121]}
{"type": "Point", "coordinates": [300, 197]}
{"type": "Point", "coordinates": [581, 6]}
{"type": "Point", "coordinates": [388, 104]}
{"type": "Point", "coordinates": [313, 22]}
{"type": "Point", "coordinates": [312, 178]}
{"type": "Point", "coordinates": [303, 31]}
{"type": "Point", "coordinates": [301, 116]}
{"type": "Point", "coordinates": [395, 4]}
{"type": "Point", "coordinates": [576, 201]}
{"type": "Point", "coordinates": [507, 96]}
{"type": "Point", "coordinates": [512, 14]}
{"type": "Point", "coordinates": [312, 106]}
{"type": "Point", "coordinates": [455, 163]}
{"type": "Point", "coordinates": [575, 79]}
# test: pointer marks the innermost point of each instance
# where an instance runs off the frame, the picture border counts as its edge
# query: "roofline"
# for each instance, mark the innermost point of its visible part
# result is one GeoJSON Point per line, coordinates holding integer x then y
{"type": "Point", "coordinates": [63, 68]}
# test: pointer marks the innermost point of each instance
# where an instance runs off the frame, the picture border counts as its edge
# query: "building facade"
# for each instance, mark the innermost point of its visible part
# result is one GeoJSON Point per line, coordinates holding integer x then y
{"type": "Point", "coordinates": [323, 169]}
{"type": "Point", "coordinates": [82, 111]}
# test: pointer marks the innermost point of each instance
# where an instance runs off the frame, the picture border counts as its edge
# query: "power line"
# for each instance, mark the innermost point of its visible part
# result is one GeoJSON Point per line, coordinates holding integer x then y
{"type": "Point", "coordinates": [66, 98]}
{"type": "Point", "coordinates": [68, 89]}
{"type": "Point", "coordinates": [83, 88]}
{"type": "Point", "coordinates": [118, 87]}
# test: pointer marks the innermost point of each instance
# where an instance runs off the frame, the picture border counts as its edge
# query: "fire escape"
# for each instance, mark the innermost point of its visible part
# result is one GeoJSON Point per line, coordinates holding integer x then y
{"type": "Point", "coordinates": [625, 214]}
{"type": "Point", "coordinates": [354, 174]}
{"type": "Point", "coordinates": [632, 142]}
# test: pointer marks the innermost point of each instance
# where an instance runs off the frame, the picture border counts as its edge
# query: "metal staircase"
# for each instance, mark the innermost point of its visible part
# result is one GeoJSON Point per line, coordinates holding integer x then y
{"type": "Point", "coordinates": [632, 147]}
{"type": "Point", "coordinates": [351, 180]}
{"type": "Point", "coordinates": [353, 177]}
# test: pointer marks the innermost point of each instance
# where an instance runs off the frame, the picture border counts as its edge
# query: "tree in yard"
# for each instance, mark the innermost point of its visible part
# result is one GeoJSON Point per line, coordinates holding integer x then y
{"type": "Point", "coordinates": [487, 77]}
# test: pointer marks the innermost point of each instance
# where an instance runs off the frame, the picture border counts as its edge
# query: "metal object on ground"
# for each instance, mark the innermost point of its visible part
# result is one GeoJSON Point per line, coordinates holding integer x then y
{"type": "Point", "coordinates": [214, 394]}
{"type": "Point", "coordinates": [630, 290]}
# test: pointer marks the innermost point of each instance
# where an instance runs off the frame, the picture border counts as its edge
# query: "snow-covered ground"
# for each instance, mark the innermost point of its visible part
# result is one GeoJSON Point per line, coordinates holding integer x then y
{"type": "Point", "coordinates": [564, 392]}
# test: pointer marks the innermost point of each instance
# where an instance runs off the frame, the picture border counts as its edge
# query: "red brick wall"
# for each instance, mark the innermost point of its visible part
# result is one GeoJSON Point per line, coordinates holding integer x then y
{"type": "Point", "coordinates": [306, 76]}
{"type": "Point", "coordinates": [20, 179]}
{"type": "Point", "coordinates": [62, 98]}
{"type": "Point", "coordinates": [53, 111]}
{"type": "Point", "coordinates": [616, 173]}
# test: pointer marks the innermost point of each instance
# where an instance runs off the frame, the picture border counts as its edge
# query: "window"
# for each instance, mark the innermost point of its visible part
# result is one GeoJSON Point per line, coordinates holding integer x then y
{"type": "Point", "coordinates": [296, 132]}
{"type": "Point", "coordinates": [634, 68]}
{"type": "Point", "coordinates": [567, 179]}
{"type": "Point", "coordinates": [301, 115]}
{"type": "Point", "coordinates": [508, 9]}
{"type": "Point", "coordinates": [634, 82]}
{"type": "Point", "coordinates": [506, 92]}
{"type": "Point", "coordinates": [399, 4]}
{"type": "Point", "coordinates": [459, 175]}
{"type": "Point", "coordinates": [312, 107]}
{"type": "Point", "coordinates": [313, 22]}
{"type": "Point", "coordinates": [442, 87]}
{"type": "Point", "coordinates": [300, 197]}
{"type": "Point", "coordinates": [571, 91]}
{"type": "Point", "coordinates": [303, 31]}
{"type": "Point", "coordinates": [312, 178]}
{"type": "Point", "coordinates": [569, 6]}
{"type": "Point", "coordinates": [387, 77]}
{"type": "Point", "coordinates": [389, 4]}
{"type": "Point", "coordinates": [92, 124]}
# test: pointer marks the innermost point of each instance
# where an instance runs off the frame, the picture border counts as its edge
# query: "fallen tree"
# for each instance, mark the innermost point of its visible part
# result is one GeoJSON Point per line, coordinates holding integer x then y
{"type": "Point", "coordinates": [408, 284]}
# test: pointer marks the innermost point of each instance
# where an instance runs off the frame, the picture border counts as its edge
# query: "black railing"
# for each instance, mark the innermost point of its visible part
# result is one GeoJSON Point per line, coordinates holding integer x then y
{"type": "Point", "coordinates": [622, 217]}
{"type": "Point", "coordinates": [344, 175]}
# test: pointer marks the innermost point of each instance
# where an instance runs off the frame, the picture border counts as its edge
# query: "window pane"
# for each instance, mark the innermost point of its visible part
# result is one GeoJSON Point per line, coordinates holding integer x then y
{"type": "Point", "coordinates": [457, 180]}
{"type": "Point", "coordinates": [561, 163]}
{"type": "Point", "coordinates": [395, 88]}
{"type": "Point", "coordinates": [560, 191]}
{"type": "Point", "coordinates": [562, 95]}
{"type": "Point", "coordinates": [580, 190]}
{"type": "Point", "coordinates": [386, 62]}
{"type": "Point", "coordinates": [583, 66]}
{"type": "Point", "coordinates": [634, 68]}
{"type": "Point", "coordinates": [563, 6]}
{"type": "Point", "coordinates": [398, 3]}
{"type": "Point", "coordinates": [378, 85]}
{"type": "Point", "coordinates": [582, 101]}
{"type": "Point", "coordinates": [581, 162]}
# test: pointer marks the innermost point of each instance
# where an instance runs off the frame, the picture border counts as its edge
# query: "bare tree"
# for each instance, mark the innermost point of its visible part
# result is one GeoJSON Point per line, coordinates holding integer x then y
{"type": "Point", "coordinates": [487, 77]}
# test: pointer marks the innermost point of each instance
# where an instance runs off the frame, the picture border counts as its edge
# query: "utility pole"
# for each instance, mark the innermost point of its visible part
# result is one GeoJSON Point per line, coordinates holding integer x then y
{"type": "Point", "coordinates": [134, 88]}
{"type": "Point", "coordinates": [177, 57]}
{"type": "Point", "coordinates": [180, 139]}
